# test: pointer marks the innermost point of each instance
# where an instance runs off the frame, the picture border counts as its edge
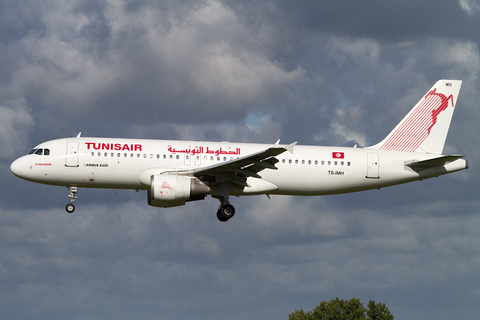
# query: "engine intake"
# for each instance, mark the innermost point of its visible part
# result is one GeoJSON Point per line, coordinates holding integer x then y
{"type": "Point", "coordinates": [167, 190]}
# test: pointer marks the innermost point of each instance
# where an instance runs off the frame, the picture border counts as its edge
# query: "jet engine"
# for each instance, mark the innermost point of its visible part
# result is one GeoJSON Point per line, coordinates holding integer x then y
{"type": "Point", "coordinates": [167, 190]}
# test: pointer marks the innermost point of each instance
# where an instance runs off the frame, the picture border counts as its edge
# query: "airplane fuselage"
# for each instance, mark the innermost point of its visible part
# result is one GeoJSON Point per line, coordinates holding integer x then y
{"type": "Point", "coordinates": [129, 163]}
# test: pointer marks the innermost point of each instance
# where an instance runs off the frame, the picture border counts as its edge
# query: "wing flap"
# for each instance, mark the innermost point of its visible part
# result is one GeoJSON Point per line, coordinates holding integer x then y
{"type": "Point", "coordinates": [254, 162]}
{"type": "Point", "coordinates": [237, 171]}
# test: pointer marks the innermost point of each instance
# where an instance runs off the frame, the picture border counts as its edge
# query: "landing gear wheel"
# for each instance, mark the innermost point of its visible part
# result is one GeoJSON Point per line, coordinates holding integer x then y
{"type": "Point", "coordinates": [70, 208]}
{"type": "Point", "coordinates": [73, 196]}
{"type": "Point", "coordinates": [225, 212]}
{"type": "Point", "coordinates": [220, 217]}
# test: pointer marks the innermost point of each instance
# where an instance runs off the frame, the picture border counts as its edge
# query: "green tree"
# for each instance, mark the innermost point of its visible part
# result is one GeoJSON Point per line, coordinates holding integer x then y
{"type": "Point", "coordinates": [339, 309]}
{"type": "Point", "coordinates": [378, 311]}
{"type": "Point", "coordinates": [299, 315]}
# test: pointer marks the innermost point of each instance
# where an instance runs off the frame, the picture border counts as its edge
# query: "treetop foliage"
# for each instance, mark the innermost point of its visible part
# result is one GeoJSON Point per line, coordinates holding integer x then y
{"type": "Point", "coordinates": [339, 309]}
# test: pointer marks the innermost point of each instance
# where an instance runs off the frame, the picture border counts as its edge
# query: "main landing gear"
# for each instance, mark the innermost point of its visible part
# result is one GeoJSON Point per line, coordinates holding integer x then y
{"type": "Point", "coordinates": [73, 196]}
{"type": "Point", "coordinates": [225, 212]}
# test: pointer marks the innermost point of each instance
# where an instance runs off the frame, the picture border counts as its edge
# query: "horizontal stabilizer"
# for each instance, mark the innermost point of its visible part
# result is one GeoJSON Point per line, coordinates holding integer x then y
{"type": "Point", "coordinates": [434, 162]}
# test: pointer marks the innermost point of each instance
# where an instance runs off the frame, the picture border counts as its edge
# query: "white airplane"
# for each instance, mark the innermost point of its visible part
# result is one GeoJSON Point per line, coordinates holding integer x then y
{"type": "Point", "coordinates": [174, 172]}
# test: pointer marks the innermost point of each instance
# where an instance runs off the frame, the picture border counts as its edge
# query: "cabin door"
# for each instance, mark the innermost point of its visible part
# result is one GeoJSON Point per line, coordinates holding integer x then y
{"type": "Point", "coordinates": [373, 166]}
{"type": "Point", "coordinates": [71, 159]}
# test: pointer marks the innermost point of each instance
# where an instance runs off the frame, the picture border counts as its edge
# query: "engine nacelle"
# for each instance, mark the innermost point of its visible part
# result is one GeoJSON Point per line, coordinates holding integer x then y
{"type": "Point", "coordinates": [167, 190]}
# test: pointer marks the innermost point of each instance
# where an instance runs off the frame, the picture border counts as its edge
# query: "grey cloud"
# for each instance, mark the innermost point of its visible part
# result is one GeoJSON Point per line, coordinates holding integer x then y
{"type": "Point", "coordinates": [313, 72]}
{"type": "Point", "coordinates": [16, 123]}
{"type": "Point", "coordinates": [107, 258]}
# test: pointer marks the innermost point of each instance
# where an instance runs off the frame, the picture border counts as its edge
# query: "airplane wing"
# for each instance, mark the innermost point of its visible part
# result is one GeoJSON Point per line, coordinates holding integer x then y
{"type": "Point", "coordinates": [237, 171]}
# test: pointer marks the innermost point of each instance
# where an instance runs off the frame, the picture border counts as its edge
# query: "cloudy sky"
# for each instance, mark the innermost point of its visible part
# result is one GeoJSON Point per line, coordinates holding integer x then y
{"type": "Point", "coordinates": [318, 72]}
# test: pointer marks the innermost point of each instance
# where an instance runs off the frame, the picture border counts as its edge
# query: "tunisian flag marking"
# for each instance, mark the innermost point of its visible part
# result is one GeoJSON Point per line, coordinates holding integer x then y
{"type": "Point", "coordinates": [338, 155]}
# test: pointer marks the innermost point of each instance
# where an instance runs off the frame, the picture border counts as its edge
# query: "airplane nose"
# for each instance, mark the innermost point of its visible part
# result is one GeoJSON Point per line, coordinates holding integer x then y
{"type": "Point", "coordinates": [16, 168]}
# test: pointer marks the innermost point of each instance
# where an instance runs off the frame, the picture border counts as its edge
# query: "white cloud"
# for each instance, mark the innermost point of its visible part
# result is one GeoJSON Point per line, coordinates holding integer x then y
{"type": "Point", "coordinates": [340, 126]}
{"type": "Point", "coordinates": [462, 58]}
{"type": "Point", "coordinates": [204, 57]}
{"type": "Point", "coordinates": [205, 47]}
{"type": "Point", "coordinates": [470, 6]}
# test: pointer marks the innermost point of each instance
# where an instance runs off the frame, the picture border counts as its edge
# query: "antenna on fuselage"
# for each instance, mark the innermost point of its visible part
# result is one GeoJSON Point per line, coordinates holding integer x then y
{"type": "Point", "coordinates": [79, 134]}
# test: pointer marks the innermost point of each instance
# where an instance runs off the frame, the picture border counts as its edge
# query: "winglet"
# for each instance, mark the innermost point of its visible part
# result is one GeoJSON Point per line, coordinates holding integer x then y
{"type": "Point", "coordinates": [289, 148]}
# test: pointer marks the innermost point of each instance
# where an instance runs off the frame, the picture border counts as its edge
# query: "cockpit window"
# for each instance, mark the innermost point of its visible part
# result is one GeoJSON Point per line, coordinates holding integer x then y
{"type": "Point", "coordinates": [40, 151]}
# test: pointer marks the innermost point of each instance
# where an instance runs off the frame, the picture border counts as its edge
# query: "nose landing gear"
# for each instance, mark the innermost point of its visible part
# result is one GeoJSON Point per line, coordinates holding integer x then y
{"type": "Point", "coordinates": [73, 196]}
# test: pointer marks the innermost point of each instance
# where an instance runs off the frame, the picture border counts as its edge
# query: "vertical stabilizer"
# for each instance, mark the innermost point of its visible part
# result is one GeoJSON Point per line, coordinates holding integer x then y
{"type": "Point", "coordinates": [425, 127]}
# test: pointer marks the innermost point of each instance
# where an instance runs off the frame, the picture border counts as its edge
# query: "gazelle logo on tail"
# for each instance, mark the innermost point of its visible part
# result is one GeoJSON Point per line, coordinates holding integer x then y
{"type": "Point", "coordinates": [421, 129]}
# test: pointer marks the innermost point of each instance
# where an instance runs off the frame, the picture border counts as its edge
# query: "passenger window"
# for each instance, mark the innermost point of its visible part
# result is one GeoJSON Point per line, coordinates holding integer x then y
{"type": "Point", "coordinates": [283, 160]}
{"type": "Point", "coordinates": [93, 153]}
{"type": "Point", "coordinates": [164, 156]}
{"type": "Point", "coordinates": [177, 157]}
{"type": "Point", "coordinates": [303, 161]}
{"type": "Point", "coordinates": [99, 154]}
{"type": "Point", "coordinates": [316, 161]}
{"type": "Point", "coordinates": [309, 161]}
{"type": "Point", "coordinates": [158, 156]}
{"type": "Point", "coordinates": [348, 163]}
{"type": "Point", "coordinates": [138, 155]}
{"type": "Point", "coordinates": [106, 154]}
{"type": "Point", "coordinates": [289, 160]}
